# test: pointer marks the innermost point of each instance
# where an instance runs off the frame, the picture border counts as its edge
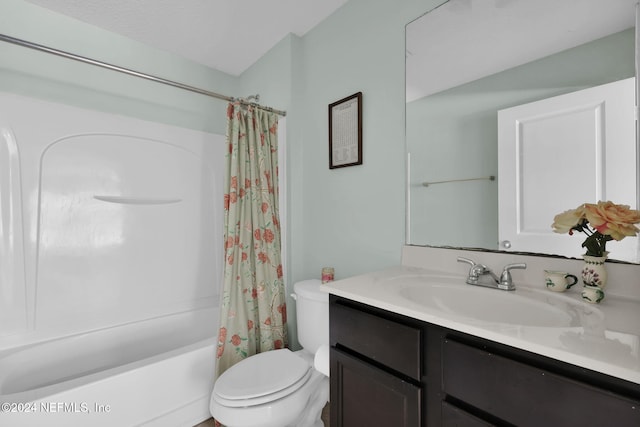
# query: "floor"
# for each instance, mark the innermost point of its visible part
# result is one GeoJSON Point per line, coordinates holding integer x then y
{"type": "Point", "coordinates": [325, 419]}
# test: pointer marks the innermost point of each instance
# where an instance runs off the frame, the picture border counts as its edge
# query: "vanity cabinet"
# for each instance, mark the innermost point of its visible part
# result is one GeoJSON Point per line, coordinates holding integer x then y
{"type": "Point", "coordinates": [390, 370]}
{"type": "Point", "coordinates": [523, 394]}
{"type": "Point", "coordinates": [375, 376]}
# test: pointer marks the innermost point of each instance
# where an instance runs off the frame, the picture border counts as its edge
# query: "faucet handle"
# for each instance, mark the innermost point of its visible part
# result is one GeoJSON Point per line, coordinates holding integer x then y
{"type": "Point", "coordinates": [476, 268]}
{"type": "Point", "coordinates": [471, 262]}
{"type": "Point", "coordinates": [520, 265]}
{"type": "Point", "coordinates": [505, 277]}
{"type": "Point", "coordinates": [475, 271]}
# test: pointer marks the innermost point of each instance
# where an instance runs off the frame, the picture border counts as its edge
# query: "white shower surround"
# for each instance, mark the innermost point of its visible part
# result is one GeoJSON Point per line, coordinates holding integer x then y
{"type": "Point", "coordinates": [110, 263]}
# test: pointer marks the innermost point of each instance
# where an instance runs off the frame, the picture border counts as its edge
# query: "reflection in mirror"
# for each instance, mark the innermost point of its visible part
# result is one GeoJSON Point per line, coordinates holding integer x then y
{"type": "Point", "coordinates": [516, 111]}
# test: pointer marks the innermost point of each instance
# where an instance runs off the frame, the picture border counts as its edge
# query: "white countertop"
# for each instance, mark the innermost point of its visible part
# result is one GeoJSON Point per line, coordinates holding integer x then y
{"type": "Point", "coordinates": [603, 337]}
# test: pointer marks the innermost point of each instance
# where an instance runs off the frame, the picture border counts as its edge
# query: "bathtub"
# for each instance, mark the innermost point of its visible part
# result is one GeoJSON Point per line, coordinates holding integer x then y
{"type": "Point", "coordinates": [156, 372]}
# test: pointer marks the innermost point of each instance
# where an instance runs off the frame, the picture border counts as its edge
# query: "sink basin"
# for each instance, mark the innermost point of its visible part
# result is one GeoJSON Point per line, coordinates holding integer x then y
{"type": "Point", "coordinates": [523, 306]}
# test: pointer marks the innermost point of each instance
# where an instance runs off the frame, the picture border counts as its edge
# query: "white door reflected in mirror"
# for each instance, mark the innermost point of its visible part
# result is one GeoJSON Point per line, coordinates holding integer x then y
{"type": "Point", "coordinates": [560, 152]}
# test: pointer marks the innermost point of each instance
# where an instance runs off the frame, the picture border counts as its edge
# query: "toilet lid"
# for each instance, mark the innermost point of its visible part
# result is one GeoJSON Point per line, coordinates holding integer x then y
{"type": "Point", "coordinates": [261, 375]}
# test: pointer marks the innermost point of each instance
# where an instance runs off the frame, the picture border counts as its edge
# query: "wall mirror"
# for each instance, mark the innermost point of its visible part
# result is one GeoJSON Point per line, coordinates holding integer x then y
{"type": "Point", "coordinates": [517, 110]}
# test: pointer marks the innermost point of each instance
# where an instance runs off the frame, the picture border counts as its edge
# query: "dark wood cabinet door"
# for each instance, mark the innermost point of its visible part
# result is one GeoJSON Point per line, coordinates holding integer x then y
{"type": "Point", "coordinates": [363, 395]}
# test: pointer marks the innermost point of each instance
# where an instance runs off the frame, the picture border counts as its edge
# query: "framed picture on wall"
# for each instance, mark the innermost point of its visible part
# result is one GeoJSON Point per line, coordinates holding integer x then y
{"type": "Point", "coordinates": [345, 132]}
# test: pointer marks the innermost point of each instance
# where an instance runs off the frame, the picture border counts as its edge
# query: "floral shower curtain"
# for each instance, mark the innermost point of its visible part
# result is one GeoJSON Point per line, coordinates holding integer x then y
{"type": "Point", "coordinates": [253, 313]}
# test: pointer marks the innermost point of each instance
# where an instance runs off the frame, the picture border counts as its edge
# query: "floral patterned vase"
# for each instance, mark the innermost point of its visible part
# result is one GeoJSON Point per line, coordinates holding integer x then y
{"type": "Point", "coordinates": [594, 277]}
{"type": "Point", "coordinates": [594, 272]}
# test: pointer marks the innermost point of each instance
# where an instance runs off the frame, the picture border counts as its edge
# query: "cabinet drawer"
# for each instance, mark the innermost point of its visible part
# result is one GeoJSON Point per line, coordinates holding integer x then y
{"type": "Point", "coordinates": [392, 344]}
{"type": "Point", "coordinates": [528, 396]}
{"type": "Point", "coordinates": [456, 417]}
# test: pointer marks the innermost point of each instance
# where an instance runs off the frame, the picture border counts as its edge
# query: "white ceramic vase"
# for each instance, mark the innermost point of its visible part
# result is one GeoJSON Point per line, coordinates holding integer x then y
{"type": "Point", "coordinates": [594, 272]}
{"type": "Point", "coordinates": [594, 277]}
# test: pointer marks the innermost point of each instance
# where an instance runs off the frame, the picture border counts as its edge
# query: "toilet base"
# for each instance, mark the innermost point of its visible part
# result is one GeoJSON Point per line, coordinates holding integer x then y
{"type": "Point", "coordinates": [278, 413]}
{"type": "Point", "coordinates": [312, 414]}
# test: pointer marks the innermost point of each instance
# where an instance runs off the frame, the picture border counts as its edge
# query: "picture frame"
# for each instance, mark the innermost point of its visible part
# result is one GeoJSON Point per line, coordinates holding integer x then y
{"type": "Point", "coordinates": [345, 132]}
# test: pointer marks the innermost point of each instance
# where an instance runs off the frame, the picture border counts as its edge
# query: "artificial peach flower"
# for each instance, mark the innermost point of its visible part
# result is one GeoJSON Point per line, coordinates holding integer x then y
{"type": "Point", "coordinates": [601, 222]}
{"type": "Point", "coordinates": [614, 220]}
{"type": "Point", "coordinates": [567, 220]}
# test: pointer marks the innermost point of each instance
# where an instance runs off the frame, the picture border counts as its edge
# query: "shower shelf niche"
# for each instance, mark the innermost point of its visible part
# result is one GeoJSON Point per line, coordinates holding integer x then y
{"type": "Point", "coordinates": [137, 200]}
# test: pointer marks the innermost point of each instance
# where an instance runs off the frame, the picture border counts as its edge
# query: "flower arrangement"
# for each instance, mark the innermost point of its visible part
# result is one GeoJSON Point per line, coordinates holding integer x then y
{"type": "Point", "coordinates": [601, 222]}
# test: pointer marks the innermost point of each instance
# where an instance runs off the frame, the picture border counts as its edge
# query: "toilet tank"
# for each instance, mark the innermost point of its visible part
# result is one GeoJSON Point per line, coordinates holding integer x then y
{"type": "Point", "coordinates": [312, 314]}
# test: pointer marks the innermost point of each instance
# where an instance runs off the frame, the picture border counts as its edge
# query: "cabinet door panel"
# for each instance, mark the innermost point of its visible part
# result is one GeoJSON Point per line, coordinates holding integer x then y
{"type": "Point", "coordinates": [528, 396]}
{"type": "Point", "coordinates": [362, 395]}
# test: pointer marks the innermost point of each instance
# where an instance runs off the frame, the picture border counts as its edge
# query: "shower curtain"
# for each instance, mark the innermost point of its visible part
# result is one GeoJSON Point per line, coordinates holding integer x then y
{"type": "Point", "coordinates": [253, 314]}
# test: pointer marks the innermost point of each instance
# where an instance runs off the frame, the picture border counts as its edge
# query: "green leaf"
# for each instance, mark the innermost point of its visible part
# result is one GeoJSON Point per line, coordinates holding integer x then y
{"type": "Point", "coordinates": [595, 244]}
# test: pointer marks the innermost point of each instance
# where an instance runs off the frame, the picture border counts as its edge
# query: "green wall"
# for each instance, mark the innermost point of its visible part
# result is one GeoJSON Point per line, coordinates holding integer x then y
{"type": "Point", "coordinates": [350, 218]}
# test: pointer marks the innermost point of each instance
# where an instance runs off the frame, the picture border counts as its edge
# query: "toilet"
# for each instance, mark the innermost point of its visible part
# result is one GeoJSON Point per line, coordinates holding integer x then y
{"type": "Point", "coordinates": [281, 388]}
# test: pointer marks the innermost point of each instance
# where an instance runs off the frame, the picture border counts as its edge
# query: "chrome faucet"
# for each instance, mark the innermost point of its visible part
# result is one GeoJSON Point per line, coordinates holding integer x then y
{"type": "Point", "coordinates": [478, 271]}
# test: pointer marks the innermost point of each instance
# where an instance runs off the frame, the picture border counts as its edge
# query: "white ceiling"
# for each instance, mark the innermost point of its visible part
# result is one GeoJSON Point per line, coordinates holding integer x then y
{"type": "Point", "coordinates": [227, 35]}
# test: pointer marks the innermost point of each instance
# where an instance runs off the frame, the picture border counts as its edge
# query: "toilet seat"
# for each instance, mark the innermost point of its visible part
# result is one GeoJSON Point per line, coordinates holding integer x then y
{"type": "Point", "coordinates": [262, 378]}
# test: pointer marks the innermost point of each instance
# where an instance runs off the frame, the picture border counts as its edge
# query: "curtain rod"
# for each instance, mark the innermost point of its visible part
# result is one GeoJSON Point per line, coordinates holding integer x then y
{"type": "Point", "coordinates": [130, 72]}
